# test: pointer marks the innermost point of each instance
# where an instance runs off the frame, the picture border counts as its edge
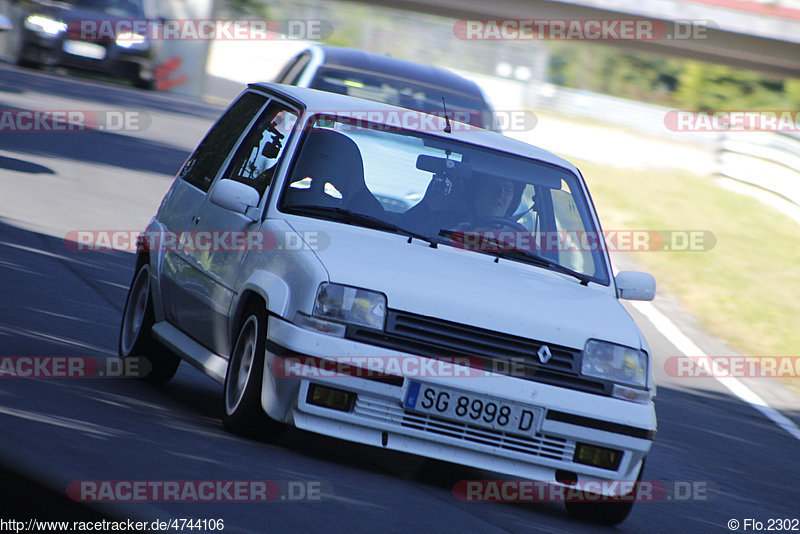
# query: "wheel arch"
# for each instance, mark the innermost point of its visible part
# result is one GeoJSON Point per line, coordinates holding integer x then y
{"type": "Point", "coordinates": [265, 289]}
{"type": "Point", "coordinates": [142, 257]}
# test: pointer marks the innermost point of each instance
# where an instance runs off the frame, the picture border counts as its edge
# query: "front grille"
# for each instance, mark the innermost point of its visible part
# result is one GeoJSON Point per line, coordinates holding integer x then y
{"type": "Point", "coordinates": [495, 351]}
{"type": "Point", "coordinates": [392, 413]}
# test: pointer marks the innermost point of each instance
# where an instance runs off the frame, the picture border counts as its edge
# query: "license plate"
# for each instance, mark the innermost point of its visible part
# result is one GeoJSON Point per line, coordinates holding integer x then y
{"type": "Point", "coordinates": [474, 409]}
{"type": "Point", "coordinates": [79, 48]}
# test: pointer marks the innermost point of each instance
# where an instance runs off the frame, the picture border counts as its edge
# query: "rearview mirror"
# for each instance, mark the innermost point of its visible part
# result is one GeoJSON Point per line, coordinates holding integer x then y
{"type": "Point", "coordinates": [236, 196]}
{"type": "Point", "coordinates": [633, 285]}
{"type": "Point", "coordinates": [450, 167]}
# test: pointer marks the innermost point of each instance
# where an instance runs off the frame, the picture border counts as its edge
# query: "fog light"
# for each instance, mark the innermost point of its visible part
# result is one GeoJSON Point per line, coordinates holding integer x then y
{"type": "Point", "coordinates": [335, 399]}
{"type": "Point", "coordinates": [597, 456]}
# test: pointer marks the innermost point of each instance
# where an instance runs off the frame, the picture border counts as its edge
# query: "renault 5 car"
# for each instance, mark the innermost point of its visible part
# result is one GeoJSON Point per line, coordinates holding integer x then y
{"type": "Point", "coordinates": [481, 326]}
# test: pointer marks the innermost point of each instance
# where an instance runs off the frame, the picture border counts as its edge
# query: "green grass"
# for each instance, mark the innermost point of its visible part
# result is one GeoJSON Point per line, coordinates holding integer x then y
{"type": "Point", "coordinates": [746, 289]}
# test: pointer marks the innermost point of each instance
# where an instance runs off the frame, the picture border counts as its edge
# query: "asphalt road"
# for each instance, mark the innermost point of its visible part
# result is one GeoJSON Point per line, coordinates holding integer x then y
{"type": "Point", "coordinates": [56, 302]}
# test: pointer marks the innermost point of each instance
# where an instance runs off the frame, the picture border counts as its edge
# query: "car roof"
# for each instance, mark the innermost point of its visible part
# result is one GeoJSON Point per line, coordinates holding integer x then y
{"type": "Point", "coordinates": [331, 103]}
{"type": "Point", "coordinates": [336, 56]}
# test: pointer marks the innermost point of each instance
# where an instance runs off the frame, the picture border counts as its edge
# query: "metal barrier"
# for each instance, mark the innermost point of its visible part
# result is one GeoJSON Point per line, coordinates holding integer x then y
{"type": "Point", "coordinates": [769, 160]}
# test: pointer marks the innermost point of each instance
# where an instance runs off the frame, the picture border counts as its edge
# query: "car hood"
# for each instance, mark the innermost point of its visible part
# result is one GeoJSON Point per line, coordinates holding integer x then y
{"type": "Point", "coordinates": [470, 288]}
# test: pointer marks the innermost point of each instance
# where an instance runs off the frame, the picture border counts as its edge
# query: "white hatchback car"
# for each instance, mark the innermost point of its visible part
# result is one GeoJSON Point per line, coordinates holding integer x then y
{"type": "Point", "coordinates": [468, 328]}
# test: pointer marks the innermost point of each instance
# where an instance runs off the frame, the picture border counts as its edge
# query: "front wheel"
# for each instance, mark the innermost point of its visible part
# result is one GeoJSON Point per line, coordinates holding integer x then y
{"type": "Point", "coordinates": [604, 512]}
{"type": "Point", "coordinates": [144, 83]}
{"type": "Point", "coordinates": [243, 413]}
{"type": "Point", "coordinates": [136, 338]}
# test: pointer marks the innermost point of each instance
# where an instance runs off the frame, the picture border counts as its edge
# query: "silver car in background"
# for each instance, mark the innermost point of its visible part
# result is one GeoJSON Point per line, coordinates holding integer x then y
{"type": "Point", "coordinates": [391, 81]}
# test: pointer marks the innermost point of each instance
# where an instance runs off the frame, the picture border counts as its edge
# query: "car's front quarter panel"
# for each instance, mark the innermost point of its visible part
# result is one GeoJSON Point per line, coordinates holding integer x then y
{"type": "Point", "coordinates": [286, 277]}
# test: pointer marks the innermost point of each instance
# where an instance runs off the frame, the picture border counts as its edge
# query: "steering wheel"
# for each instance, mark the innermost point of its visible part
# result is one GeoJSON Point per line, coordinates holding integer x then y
{"type": "Point", "coordinates": [498, 223]}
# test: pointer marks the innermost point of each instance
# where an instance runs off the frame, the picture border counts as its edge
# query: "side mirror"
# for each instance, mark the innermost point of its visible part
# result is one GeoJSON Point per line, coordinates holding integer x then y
{"type": "Point", "coordinates": [633, 285]}
{"type": "Point", "coordinates": [5, 24]}
{"type": "Point", "coordinates": [236, 196]}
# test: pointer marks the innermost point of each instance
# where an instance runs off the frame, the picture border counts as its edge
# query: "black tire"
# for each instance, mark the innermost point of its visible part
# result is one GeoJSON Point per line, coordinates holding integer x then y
{"type": "Point", "coordinates": [27, 63]}
{"type": "Point", "coordinates": [607, 513]}
{"type": "Point", "coordinates": [439, 473]}
{"type": "Point", "coordinates": [157, 363]}
{"type": "Point", "coordinates": [242, 411]}
{"type": "Point", "coordinates": [603, 513]}
{"type": "Point", "coordinates": [143, 83]}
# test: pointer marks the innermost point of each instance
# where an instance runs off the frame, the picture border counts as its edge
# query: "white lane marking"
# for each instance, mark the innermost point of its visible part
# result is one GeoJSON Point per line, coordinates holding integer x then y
{"type": "Point", "coordinates": [58, 339]}
{"type": "Point", "coordinates": [52, 255]}
{"type": "Point", "coordinates": [686, 346]}
{"type": "Point", "coordinates": [65, 422]}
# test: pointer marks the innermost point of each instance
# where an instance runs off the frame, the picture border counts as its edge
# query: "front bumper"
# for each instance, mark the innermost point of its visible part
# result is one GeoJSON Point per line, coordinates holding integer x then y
{"type": "Point", "coordinates": [379, 418]}
{"type": "Point", "coordinates": [118, 62]}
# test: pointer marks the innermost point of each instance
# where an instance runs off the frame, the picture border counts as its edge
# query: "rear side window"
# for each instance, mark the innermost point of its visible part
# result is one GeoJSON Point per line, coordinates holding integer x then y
{"type": "Point", "coordinates": [203, 165]}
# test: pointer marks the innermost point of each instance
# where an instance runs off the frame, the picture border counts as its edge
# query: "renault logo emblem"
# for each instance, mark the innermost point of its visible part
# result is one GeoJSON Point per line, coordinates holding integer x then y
{"type": "Point", "coordinates": [544, 354]}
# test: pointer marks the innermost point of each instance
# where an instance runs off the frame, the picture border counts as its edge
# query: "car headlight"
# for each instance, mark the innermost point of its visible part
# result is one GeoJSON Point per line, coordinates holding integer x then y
{"type": "Point", "coordinates": [131, 40]}
{"type": "Point", "coordinates": [613, 362]}
{"type": "Point", "coordinates": [42, 24]}
{"type": "Point", "coordinates": [351, 305]}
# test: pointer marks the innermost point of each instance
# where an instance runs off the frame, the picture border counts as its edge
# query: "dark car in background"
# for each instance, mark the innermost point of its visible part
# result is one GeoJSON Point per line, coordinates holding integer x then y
{"type": "Point", "coordinates": [48, 33]}
{"type": "Point", "coordinates": [389, 80]}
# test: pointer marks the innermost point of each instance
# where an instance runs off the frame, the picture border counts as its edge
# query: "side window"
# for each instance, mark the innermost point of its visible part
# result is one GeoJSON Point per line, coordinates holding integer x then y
{"type": "Point", "coordinates": [202, 166]}
{"type": "Point", "coordinates": [568, 219]}
{"type": "Point", "coordinates": [257, 157]}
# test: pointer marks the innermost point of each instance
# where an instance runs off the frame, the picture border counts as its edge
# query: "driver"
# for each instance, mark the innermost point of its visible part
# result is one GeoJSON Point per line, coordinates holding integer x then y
{"type": "Point", "coordinates": [492, 202]}
{"type": "Point", "coordinates": [493, 198]}
{"type": "Point", "coordinates": [482, 201]}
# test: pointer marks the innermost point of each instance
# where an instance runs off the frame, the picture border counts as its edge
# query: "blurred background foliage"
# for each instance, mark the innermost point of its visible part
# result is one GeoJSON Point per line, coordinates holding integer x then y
{"type": "Point", "coordinates": [667, 81]}
{"type": "Point", "coordinates": [588, 66]}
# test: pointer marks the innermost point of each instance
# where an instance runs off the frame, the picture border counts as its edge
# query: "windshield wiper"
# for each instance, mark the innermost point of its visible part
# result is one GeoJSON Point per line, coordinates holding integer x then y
{"type": "Point", "coordinates": [345, 215]}
{"type": "Point", "coordinates": [502, 250]}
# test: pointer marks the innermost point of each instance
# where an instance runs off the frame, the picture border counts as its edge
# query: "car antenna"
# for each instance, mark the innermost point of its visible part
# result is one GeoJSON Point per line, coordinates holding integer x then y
{"type": "Point", "coordinates": [447, 128]}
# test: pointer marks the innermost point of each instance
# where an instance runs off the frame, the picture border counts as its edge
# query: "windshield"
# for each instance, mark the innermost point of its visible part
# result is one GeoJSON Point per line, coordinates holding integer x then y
{"type": "Point", "coordinates": [116, 8]}
{"type": "Point", "coordinates": [405, 94]}
{"type": "Point", "coordinates": [445, 192]}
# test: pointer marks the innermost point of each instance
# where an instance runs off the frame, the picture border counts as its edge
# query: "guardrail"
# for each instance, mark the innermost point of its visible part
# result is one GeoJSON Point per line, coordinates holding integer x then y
{"type": "Point", "coordinates": [769, 160]}
{"type": "Point", "coordinates": [640, 116]}
{"type": "Point", "coordinates": [765, 159]}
